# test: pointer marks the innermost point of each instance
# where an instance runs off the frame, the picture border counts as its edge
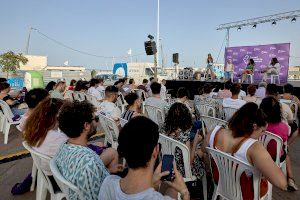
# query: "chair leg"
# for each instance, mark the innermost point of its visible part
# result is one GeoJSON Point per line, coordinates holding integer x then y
{"type": "Point", "coordinates": [41, 188]}
{"type": "Point", "coordinates": [6, 132]}
{"type": "Point", "coordinates": [33, 175]}
{"type": "Point", "coordinates": [204, 187]}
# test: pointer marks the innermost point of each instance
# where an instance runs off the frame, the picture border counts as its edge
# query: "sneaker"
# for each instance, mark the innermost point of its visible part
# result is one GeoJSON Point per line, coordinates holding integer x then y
{"type": "Point", "coordinates": [292, 185]}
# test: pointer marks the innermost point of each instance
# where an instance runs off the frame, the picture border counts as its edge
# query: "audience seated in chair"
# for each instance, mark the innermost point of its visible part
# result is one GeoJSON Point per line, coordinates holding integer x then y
{"type": "Point", "coordinates": [72, 85]}
{"type": "Point", "coordinates": [178, 125]}
{"type": "Point", "coordinates": [94, 84]}
{"type": "Point", "coordinates": [225, 93]}
{"type": "Point", "coordinates": [133, 108]}
{"type": "Point", "coordinates": [261, 91]}
{"type": "Point", "coordinates": [59, 89]}
{"type": "Point", "coordinates": [155, 99]}
{"type": "Point", "coordinates": [234, 101]}
{"type": "Point", "coordinates": [75, 160]}
{"type": "Point", "coordinates": [143, 87]}
{"type": "Point", "coordinates": [288, 90]}
{"type": "Point", "coordinates": [13, 103]}
{"type": "Point", "coordinates": [108, 106]}
{"type": "Point", "coordinates": [138, 143]}
{"type": "Point", "coordinates": [251, 89]}
{"type": "Point", "coordinates": [183, 97]}
{"type": "Point", "coordinates": [271, 107]}
{"type": "Point", "coordinates": [32, 99]}
{"type": "Point", "coordinates": [240, 140]}
{"type": "Point", "coordinates": [100, 87]}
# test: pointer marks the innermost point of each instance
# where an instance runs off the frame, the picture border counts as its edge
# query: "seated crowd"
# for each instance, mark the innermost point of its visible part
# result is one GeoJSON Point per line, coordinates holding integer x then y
{"type": "Point", "coordinates": [62, 127]}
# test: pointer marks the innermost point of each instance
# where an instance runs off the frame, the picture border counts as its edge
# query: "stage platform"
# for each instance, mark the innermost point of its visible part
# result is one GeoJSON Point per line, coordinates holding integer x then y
{"type": "Point", "coordinates": [194, 85]}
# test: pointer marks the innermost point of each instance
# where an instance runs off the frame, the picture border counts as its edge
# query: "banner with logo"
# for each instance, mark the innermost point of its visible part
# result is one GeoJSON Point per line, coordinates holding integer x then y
{"type": "Point", "coordinates": [262, 55]}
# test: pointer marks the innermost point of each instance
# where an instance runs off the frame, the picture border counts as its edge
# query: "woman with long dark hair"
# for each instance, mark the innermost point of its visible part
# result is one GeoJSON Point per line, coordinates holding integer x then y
{"type": "Point", "coordinates": [210, 67]}
{"type": "Point", "coordinates": [248, 70]}
{"type": "Point", "coordinates": [273, 69]}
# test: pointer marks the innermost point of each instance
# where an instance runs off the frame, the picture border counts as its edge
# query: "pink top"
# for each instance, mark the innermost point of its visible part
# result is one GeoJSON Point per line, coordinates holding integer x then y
{"type": "Point", "coordinates": [282, 130]}
{"type": "Point", "coordinates": [222, 94]}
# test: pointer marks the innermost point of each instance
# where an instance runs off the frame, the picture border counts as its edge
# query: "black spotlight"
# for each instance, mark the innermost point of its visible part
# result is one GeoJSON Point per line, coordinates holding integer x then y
{"type": "Point", "coordinates": [254, 26]}
{"type": "Point", "coordinates": [294, 20]}
{"type": "Point", "coordinates": [150, 37]}
{"type": "Point", "coordinates": [274, 23]}
{"type": "Point", "coordinates": [239, 29]}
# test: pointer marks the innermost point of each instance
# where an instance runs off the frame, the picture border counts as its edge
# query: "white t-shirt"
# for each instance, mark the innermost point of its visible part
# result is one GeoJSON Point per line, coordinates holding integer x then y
{"type": "Point", "coordinates": [287, 113]}
{"type": "Point", "coordinates": [100, 88]}
{"type": "Point", "coordinates": [233, 103]}
{"type": "Point", "coordinates": [94, 92]}
{"type": "Point", "coordinates": [53, 140]}
{"type": "Point", "coordinates": [111, 190]}
{"type": "Point", "coordinates": [111, 110]}
{"type": "Point", "coordinates": [242, 94]}
{"type": "Point", "coordinates": [229, 68]}
{"type": "Point", "coordinates": [260, 92]}
{"type": "Point", "coordinates": [157, 102]}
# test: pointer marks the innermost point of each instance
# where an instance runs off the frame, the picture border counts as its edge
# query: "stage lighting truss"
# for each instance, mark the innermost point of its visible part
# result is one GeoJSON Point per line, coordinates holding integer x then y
{"type": "Point", "coordinates": [292, 15]}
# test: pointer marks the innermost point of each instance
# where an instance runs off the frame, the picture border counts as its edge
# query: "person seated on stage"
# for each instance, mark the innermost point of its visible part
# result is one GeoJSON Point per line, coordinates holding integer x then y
{"type": "Point", "coordinates": [288, 89]}
{"type": "Point", "coordinates": [108, 106]}
{"type": "Point", "coordinates": [273, 69]}
{"type": "Point", "coordinates": [210, 67]}
{"type": "Point", "coordinates": [133, 108]}
{"type": "Point", "coordinates": [234, 101]}
{"type": "Point", "coordinates": [155, 99]}
{"type": "Point", "coordinates": [261, 91]}
{"type": "Point", "coordinates": [225, 93]}
{"type": "Point", "coordinates": [205, 99]}
{"type": "Point", "coordinates": [249, 69]}
{"type": "Point", "coordinates": [240, 139]}
{"type": "Point", "coordinates": [138, 144]}
{"type": "Point", "coordinates": [183, 97]}
{"type": "Point", "coordinates": [251, 89]}
{"type": "Point", "coordinates": [271, 107]}
{"type": "Point", "coordinates": [228, 71]}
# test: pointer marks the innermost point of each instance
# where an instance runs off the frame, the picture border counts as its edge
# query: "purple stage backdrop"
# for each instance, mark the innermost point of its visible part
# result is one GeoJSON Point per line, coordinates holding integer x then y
{"type": "Point", "coordinates": [262, 55]}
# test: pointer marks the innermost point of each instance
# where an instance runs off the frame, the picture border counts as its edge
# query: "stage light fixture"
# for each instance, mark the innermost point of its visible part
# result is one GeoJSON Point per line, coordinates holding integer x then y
{"type": "Point", "coordinates": [294, 20]}
{"type": "Point", "coordinates": [254, 26]}
{"type": "Point", "coordinates": [239, 29]}
{"type": "Point", "coordinates": [274, 23]}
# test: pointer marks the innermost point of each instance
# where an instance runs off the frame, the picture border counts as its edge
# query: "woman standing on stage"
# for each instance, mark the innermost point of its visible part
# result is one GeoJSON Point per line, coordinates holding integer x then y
{"type": "Point", "coordinates": [249, 69]}
{"type": "Point", "coordinates": [273, 69]}
{"type": "Point", "coordinates": [210, 67]}
{"type": "Point", "coordinates": [228, 70]}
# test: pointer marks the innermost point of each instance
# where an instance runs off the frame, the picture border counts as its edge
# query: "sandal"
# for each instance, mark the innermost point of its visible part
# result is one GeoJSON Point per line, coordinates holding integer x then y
{"type": "Point", "coordinates": [292, 185]}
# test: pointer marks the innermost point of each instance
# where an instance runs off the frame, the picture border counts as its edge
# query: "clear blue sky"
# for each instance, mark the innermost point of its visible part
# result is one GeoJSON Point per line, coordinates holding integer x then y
{"type": "Point", "coordinates": [111, 27]}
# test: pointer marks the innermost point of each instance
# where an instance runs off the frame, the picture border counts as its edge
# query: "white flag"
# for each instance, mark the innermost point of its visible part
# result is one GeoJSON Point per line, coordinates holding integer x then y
{"type": "Point", "coordinates": [129, 52]}
{"type": "Point", "coordinates": [66, 63]}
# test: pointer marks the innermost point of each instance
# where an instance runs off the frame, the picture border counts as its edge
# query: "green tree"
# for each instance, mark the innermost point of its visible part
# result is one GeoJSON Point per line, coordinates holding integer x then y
{"type": "Point", "coordinates": [93, 73]}
{"type": "Point", "coordinates": [10, 62]}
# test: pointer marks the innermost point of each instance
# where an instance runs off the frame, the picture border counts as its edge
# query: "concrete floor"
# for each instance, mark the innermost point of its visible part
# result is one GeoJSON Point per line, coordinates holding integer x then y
{"type": "Point", "coordinates": [15, 171]}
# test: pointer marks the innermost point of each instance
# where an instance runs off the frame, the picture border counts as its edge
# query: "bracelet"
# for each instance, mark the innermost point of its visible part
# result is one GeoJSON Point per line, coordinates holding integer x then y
{"type": "Point", "coordinates": [184, 193]}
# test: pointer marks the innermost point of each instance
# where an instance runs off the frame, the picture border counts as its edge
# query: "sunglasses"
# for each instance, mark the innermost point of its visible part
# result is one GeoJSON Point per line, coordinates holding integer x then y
{"type": "Point", "coordinates": [96, 118]}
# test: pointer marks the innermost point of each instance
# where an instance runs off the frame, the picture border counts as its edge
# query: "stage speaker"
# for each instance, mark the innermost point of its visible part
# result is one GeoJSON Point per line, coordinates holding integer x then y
{"type": "Point", "coordinates": [176, 58]}
{"type": "Point", "coordinates": [150, 47]}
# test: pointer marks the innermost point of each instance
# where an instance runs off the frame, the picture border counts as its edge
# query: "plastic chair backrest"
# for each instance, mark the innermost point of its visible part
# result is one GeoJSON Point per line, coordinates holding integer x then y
{"type": "Point", "coordinates": [111, 130]}
{"type": "Point", "coordinates": [63, 183]}
{"type": "Point", "coordinates": [210, 123]}
{"type": "Point", "coordinates": [206, 110]}
{"type": "Point", "coordinates": [230, 170]}
{"type": "Point", "coordinates": [38, 158]}
{"type": "Point", "coordinates": [169, 145]}
{"type": "Point", "coordinates": [123, 122]}
{"type": "Point", "coordinates": [265, 140]}
{"type": "Point", "coordinates": [69, 95]}
{"type": "Point", "coordinates": [228, 112]}
{"type": "Point", "coordinates": [155, 114]}
{"type": "Point", "coordinates": [79, 96]}
{"type": "Point", "coordinates": [7, 111]}
{"type": "Point", "coordinates": [93, 100]}
{"type": "Point", "coordinates": [121, 103]}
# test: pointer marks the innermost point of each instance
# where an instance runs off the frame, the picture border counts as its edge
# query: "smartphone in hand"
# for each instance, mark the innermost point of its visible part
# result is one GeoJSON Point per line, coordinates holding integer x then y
{"type": "Point", "coordinates": [167, 165]}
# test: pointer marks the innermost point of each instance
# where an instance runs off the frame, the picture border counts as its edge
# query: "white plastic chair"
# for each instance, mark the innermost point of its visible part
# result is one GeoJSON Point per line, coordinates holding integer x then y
{"type": "Point", "coordinates": [206, 110]}
{"type": "Point", "coordinates": [93, 100]}
{"type": "Point", "coordinates": [123, 122]}
{"type": "Point", "coordinates": [43, 182]}
{"type": "Point", "coordinates": [249, 76]}
{"type": "Point", "coordinates": [228, 112]}
{"type": "Point", "coordinates": [230, 170]}
{"type": "Point", "coordinates": [63, 183]}
{"type": "Point", "coordinates": [121, 103]}
{"type": "Point", "coordinates": [265, 140]}
{"type": "Point", "coordinates": [8, 119]}
{"type": "Point", "coordinates": [155, 114]}
{"type": "Point", "coordinates": [79, 96]}
{"type": "Point", "coordinates": [111, 131]}
{"type": "Point", "coordinates": [168, 146]}
{"type": "Point", "coordinates": [69, 95]}
{"type": "Point", "coordinates": [2, 119]}
{"type": "Point", "coordinates": [210, 123]}
{"type": "Point", "coordinates": [275, 77]}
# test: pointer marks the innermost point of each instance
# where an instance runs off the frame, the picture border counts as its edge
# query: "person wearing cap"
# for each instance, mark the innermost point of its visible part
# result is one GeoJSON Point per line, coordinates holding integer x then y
{"type": "Point", "coordinates": [59, 89]}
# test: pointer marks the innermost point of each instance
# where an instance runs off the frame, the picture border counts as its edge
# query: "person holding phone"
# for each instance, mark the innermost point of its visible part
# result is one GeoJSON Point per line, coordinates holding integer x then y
{"type": "Point", "coordinates": [142, 180]}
